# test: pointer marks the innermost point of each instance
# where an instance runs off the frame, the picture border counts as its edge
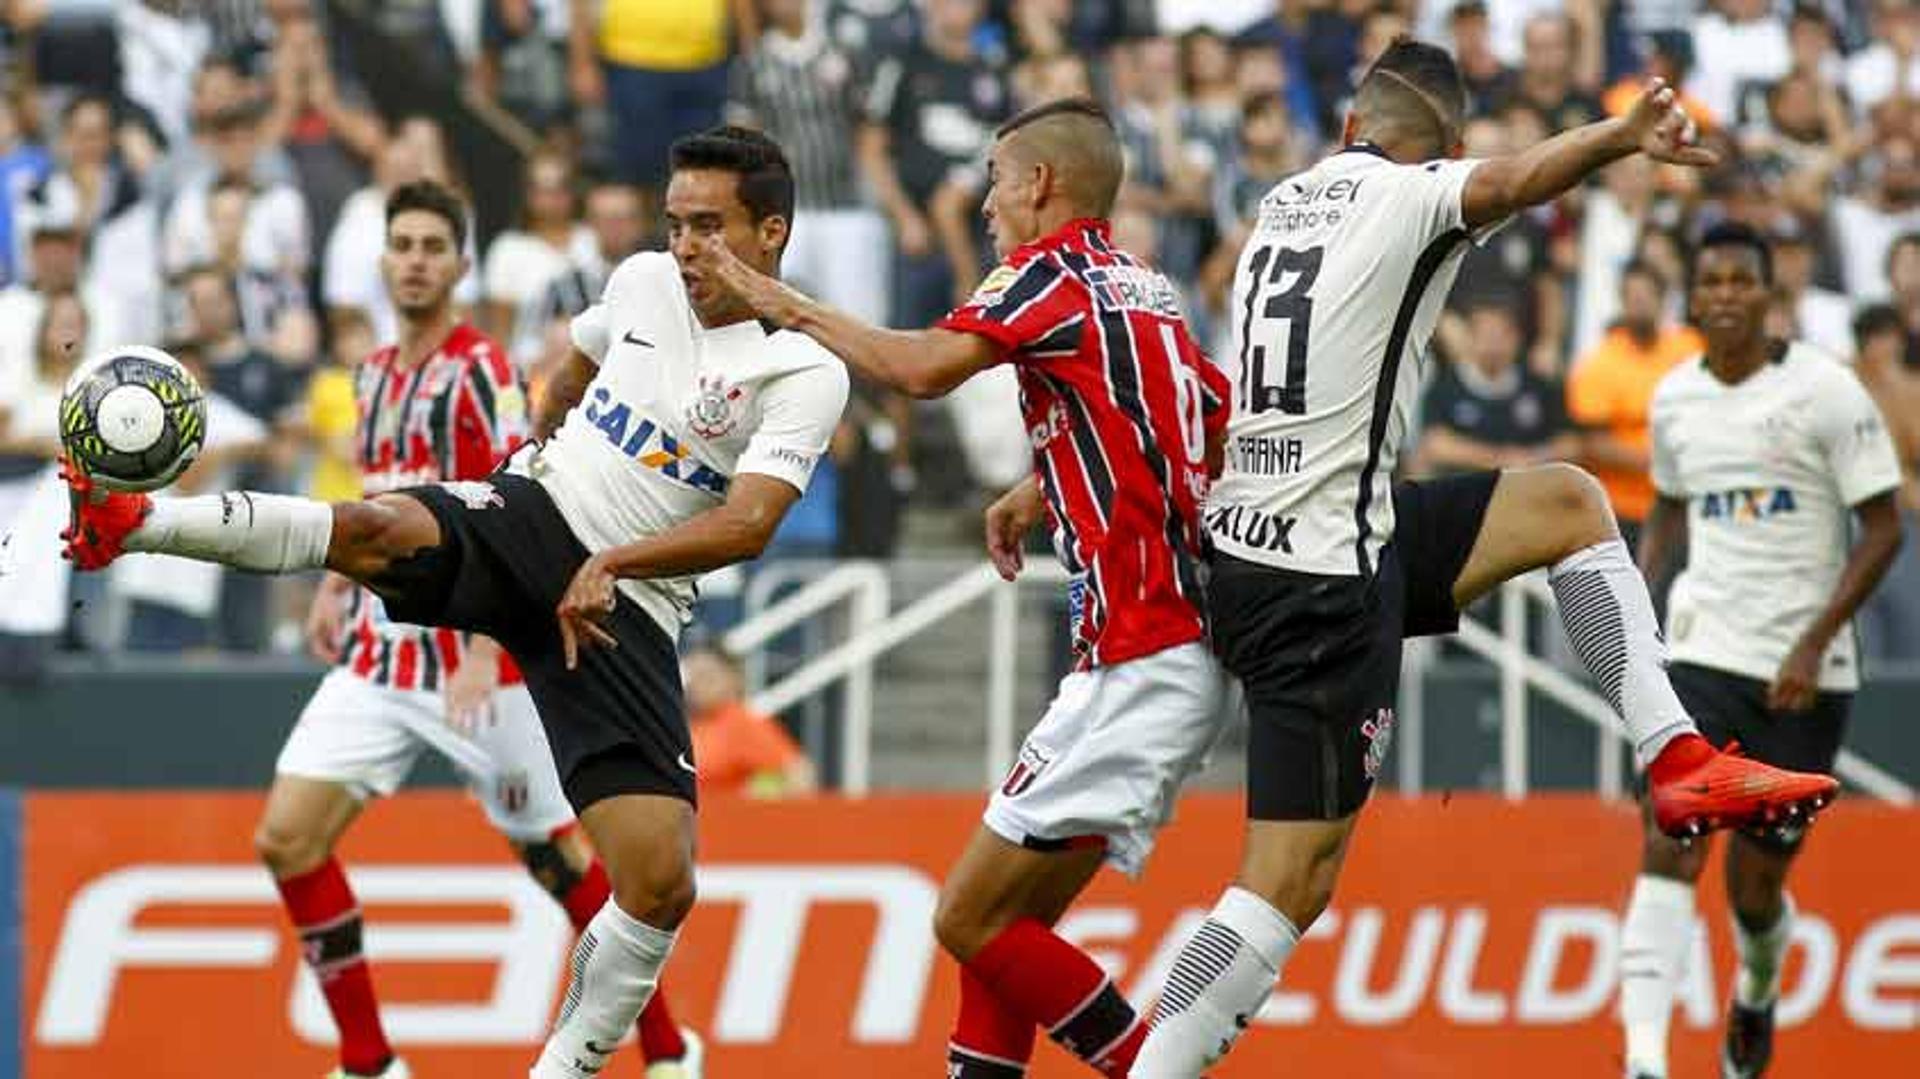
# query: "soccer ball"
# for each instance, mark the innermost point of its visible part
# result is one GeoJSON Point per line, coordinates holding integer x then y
{"type": "Point", "coordinates": [133, 419]}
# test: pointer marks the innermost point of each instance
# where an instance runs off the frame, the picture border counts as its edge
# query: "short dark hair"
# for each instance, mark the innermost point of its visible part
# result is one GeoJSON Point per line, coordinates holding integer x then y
{"type": "Point", "coordinates": [766, 180]}
{"type": "Point", "coordinates": [433, 197]}
{"type": "Point", "coordinates": [1066, 106]}
{"type": "Point", "coordinates": [1413, 90]}
{"type": "Point", "coordinates": [1077, 133]}
{"type": "Point", "coordinates": [1735, 234]}
{"type": "Point", "coordinates": [1875, 320]}
{"type": "Point", "coordinates": [1643, 268]}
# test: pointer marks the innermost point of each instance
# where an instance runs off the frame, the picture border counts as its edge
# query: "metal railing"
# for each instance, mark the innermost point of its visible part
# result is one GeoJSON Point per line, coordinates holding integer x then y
{"type": "Point", "coordinates": [874, 630]}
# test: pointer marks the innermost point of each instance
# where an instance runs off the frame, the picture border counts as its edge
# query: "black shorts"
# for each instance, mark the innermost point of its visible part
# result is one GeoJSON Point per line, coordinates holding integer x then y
{"type": "Point", "coordinates": [1319, 656]}
{"type": "Point", "coordinates": [1730, 707]}
{"type": "Point", "coordinates": [617, 724]}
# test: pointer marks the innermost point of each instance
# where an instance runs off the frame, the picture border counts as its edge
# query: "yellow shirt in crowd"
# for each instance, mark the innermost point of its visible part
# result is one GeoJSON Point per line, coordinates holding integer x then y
{"type": "Point", "coordinates": [1611, 388]}
{"type": "Point", "coordinates": [332, 415]}
{"type": "Point", "coordinates": [664, 35]}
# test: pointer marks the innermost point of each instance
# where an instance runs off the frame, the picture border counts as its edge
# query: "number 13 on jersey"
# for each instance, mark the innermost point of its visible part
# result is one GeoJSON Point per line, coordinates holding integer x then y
{"type": "Point", "coordinates": [1279, 304]}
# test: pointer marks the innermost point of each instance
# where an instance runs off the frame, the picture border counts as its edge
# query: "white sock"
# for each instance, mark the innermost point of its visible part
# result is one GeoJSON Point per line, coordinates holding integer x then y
{"type": "Point", "coordinates": [1761, 955]}
{"type": "Point", "coordinates": [244, 529]}
{"type": "Point", "coordinates": [1653, 951]}
{"type": "Point", "coordinates": [616, 964]}
{"type": "Point", "coordinates": [1218, 982]}
{"type": "Point", "coordinates": [1609, 617]}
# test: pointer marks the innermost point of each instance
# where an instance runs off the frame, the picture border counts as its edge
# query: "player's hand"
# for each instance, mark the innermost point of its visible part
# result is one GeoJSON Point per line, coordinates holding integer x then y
{"type": "Point", "coordinates": [1009, 519]}
{"type": "Point", "coordinates": [767, 296]}
{"type": "Point", "coordinates": [327, 620]}
{"type": "Point", "coordinates": [1663, 129]}
{"type": "Point", "coordinates": [469, 693]}
{"type": "Point", "coordinates": [584, 610]}
{"type": "Point", "coordinates": [914, 233]}
{"type": "Point", "coordinates": [1798, 680]}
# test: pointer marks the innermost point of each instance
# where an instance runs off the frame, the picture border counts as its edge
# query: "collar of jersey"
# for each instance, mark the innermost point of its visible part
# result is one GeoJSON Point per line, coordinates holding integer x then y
{"type": "Point", "coordinates": [1365, 148]}
{"type": "Point", "coordinates": [757, 328]}
{"type": "Point", "coordinates": [1058, 236]}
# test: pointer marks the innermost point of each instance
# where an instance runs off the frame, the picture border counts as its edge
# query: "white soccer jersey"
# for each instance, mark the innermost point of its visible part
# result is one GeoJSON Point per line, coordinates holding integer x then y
{"type": "Point", "coordinates": [1335, 296]}
{"type": "Point", "coordinates": [1769, 470]}
{"type": "Point", "coordinates": [675, 413]}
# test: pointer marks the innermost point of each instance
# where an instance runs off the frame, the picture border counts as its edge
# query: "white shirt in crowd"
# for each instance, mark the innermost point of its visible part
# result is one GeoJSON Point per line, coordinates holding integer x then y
{"type": "Point", "coordinates": [1865, 233]}
{"type": "Point", "coordinates": [519, 264]}
{"type": "Point", "coordinates": [1770, 469]}
{"type": "Point", "coordinates": [275, 237]}
{"type": "Point", "coordinates": [676, 411]}
{"type": "Point", "coordinates": [1875, 72]}
{"type": "Point", "coordinates": [1729, 54]}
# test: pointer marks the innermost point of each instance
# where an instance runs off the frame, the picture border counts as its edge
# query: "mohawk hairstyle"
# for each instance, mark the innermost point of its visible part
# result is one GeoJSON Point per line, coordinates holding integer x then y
{"type": "Point", "coordinates": [1413, 94]}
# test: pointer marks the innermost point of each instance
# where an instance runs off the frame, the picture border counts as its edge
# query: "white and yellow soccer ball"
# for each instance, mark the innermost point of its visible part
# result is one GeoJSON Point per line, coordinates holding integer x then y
{"type": "Point", "coordinates": [133, 419]}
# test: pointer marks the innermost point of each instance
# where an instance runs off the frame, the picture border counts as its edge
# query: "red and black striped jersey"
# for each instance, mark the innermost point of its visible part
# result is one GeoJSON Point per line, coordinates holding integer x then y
{"type": "Point", "coordinates": [1119, 405]}
{"type": "Point", "coordinates": [453, 416]}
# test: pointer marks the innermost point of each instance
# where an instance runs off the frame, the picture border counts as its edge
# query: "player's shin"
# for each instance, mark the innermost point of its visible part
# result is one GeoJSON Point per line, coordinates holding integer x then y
{"type": "Point", "coordinates": [1219, 981]}
{"type": "Point", "coordinates": [616, 967]}
{"type": "Point", "coordinates": [1609, 617]}
{"type": "Point", "coordinates": [244, 529]}
{"type": "Point", "coordinates": [327, 917]}
{"type": "Point", "coordinates": [1037, 975]}
{"type": "Point", "coordinates": [1653, 949]}
{"type": "Point", "coordinates": [1762, 950]}
{"type": "Point", "coordinates": [990, 1040]}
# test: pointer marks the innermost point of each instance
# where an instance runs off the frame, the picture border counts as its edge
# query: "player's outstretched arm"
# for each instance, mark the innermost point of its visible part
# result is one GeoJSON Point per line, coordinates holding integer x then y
{"type": "Point", "coordinates": [734, 531]}
{"type": "Point", "coordinates": [1500, 187]}
{"type": "Point", "coordinates": [919, 363]}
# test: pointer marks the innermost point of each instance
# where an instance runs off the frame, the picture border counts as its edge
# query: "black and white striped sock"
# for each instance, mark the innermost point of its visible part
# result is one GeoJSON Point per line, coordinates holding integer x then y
{"type": "Point", "coordinates": [1219, 981]}
{"type": "Point", "coordinates": [1609, 617]}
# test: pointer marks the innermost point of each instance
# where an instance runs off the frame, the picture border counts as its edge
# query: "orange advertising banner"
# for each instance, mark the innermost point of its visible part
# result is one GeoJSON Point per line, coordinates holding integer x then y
{"type": "Point", "coordinates": [1469, 937]}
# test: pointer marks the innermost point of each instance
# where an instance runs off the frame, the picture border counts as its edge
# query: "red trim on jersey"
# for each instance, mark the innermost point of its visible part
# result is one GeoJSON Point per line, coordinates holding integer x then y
{"type": "Point", "coordinates": [453, 416]}
{"type": "Point", "coordinates": [1115, 395]}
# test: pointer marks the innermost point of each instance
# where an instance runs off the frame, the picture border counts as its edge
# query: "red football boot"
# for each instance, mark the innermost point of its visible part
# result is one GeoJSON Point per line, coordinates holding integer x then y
{"type": "Point", "coordinates": [1696, 790]}
{"type": "Point", "coordinates": [97, 531]}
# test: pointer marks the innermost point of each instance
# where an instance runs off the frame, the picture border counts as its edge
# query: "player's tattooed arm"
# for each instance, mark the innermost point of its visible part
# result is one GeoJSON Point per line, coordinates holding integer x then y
{"type": "Point", "coordinates": [563, 391]}
{"type": "Point", "coordinates": [1500, 187]}
{"type": "Point", "coordinates": [918, 363]}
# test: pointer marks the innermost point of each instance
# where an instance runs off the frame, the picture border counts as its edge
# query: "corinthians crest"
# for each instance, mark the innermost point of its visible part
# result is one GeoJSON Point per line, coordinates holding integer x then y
{"type": "Point", "coordinates": [715, 408]}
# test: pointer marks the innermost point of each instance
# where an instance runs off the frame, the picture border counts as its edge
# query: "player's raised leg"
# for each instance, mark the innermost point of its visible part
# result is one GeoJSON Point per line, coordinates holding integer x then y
{"type": "Point", "coordinates": [996, 913]}
{"type": "Point", "coordinates": [1556, 517]}
{"type": "Point", "coordinates": [304, 819]}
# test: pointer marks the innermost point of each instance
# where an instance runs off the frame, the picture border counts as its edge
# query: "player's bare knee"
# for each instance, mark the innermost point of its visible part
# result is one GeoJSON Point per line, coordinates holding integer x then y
{"type": "Point", "coordinates": [1574, 500]}
{"type": "Point", "coordinates": [660, 896]}
{"type": "Point", "coordinates": [961, 923]}
{"type": "Point", "coordinates": [362, 535]}
{"type": "Point", "coordinates": [287, 851]}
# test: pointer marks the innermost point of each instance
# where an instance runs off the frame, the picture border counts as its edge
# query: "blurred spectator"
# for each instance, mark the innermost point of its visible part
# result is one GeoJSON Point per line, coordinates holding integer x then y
{"type": "Point", "coordinates": [1560, 70]}
{"type": "Point", "coordinates": [1890, 622]}
{"type": "Point", "coordinates": [1888, 66]}
{"type": "Point", "coordinates": [1489, 80]}
{"type": "Point", "coordinates": [1170, 159]}
{"type": "Point", "coordinates": [1266, 151]}
{"type": "Point", "coordinates": [54, 255]}
{"type": "Point", "coordinates": [1611, 388]}
{"type": "Point", "coordinates": [1819, 316]}
{"type": "Point", "coordinates": [1903, 272]}
{"type": "Point", "coordinates": [869, 31]}
{"type": "Point", "coordinates": [1813, 42]}
{"type": "Point", "coordinates": [327, 131]}
{"type": "Point", "coordinates": [173, 603]}
{"type": "Point", "coordinates": [1737, 48]}
{"type": "Point", "coordinates": [1615, 215]}
{"type": "Point", "coordinates": [800, 87]}
{"type": "Point", "coordinates": [1208, 67]}
{"type": "Point", "coordinates": [541, 337]}
{"type": "Point", "coordinates": [332, 413]}
{"type": "Point", "coordinates": [1865, 223]}
{"type": "Point", "coordinates": [1514, 268]}
{"type": "Point", "coordinates": [522, 61]}
{"type": "Point", "coordinates": [1670, 59]}
{"type": "Point", "coordinates": [738, 750]}
{"type": "Point", "coordinates": [548, 239]}
{"type": "Point", "coordinates": [660, 67]}
{"type": "Point", "coordinates": [350, 273]}
{"type": "Point", "coordinates": [932, 109]}
{"type": "Point", "coordinates": [274, 238]}
{"type": "Point", "coordinates": [24, 165]}
{"type": "Point", "coordinates": [1486, 410]}
{"type": "Point", "coordinates": [30, 398]}
{"type": "Point", "coordinates": [161, 46]}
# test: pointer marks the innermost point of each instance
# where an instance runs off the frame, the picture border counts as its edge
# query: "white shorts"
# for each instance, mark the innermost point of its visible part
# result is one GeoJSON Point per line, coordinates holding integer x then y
{"type": "Point", "coordinates": [366, 737]}
{"type": "Point", "coordinates": [1111, 753]}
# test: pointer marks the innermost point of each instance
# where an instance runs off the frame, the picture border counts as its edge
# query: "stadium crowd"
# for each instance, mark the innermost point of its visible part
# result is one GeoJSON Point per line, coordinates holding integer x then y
{"type": "Point", "coordinates": [210, 177]}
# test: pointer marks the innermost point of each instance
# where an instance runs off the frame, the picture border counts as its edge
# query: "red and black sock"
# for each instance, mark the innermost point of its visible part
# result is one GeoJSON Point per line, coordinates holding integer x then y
{"type": "Point", "coordinates": [989, 1040]}
{"type": "Point", "coordinates": [1037, 975]}
{"type": "Point", "coordinates": [327, 917]}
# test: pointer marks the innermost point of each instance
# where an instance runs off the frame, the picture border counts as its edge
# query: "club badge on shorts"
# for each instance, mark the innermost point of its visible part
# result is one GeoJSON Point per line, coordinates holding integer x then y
{"type": "Point", "coordinates": [715, 409]}
{"type": "Point", "coordinates": [1379, 734]}
{"type": "Point", "coordinates": [1033, 760]}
